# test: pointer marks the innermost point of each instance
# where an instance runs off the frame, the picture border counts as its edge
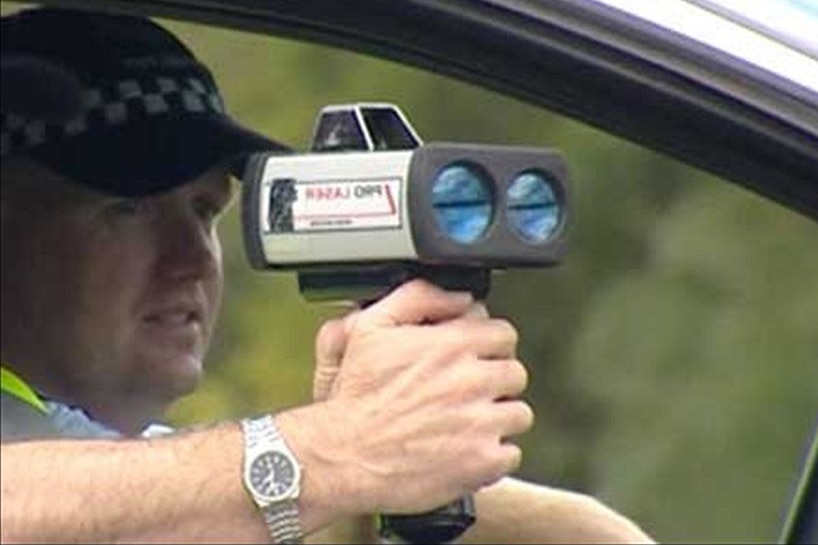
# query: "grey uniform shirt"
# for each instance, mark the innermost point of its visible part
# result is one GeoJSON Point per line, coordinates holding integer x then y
{"type": "Point", "coordinates": [19, 421]}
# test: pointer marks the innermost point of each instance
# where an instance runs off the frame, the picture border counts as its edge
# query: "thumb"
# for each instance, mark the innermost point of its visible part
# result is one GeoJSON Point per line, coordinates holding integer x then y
{"type": "Point", "coordinates": [330, 345]}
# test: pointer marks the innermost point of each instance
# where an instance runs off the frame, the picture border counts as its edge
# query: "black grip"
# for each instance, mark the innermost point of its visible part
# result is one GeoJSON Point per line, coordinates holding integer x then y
{"type": "Point", "coordinates": [366, 284]}
{"type": "Point", "coordinates": [446, 523]}
{"type": "Point", "coordinates": [442, 525]}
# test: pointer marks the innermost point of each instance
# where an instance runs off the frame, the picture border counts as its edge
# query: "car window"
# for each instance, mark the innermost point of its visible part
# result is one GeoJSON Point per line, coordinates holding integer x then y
{"type": "Point", "coordinates": [672, 353]}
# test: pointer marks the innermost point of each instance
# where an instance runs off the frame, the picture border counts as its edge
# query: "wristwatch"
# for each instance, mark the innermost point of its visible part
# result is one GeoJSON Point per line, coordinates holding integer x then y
{"type": "Point", "coordinates": [272, 476]}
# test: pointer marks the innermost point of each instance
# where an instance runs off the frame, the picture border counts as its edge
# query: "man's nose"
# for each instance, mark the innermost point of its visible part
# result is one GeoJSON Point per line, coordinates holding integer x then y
{"type": "Point", "coordinates": [189, 249]}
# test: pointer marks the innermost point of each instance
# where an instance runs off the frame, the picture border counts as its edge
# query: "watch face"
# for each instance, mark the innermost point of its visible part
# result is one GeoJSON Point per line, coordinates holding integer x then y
{"type": "Point", "coordinates": [272, 474]}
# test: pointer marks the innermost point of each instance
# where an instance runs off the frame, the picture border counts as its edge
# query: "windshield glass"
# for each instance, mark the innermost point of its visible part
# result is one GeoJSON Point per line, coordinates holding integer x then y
{"type": "Point", "coordinates": [790, 21]}
{"type": "Point", "coordinates": [776, 35]}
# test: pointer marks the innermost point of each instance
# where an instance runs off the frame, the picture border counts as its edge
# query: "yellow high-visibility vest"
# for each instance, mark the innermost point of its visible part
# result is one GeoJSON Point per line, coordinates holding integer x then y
{"type": "Point", "coordinates": [14, 385]}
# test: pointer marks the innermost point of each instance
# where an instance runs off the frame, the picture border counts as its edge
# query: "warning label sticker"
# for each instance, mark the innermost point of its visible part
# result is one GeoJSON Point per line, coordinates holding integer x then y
{"type": "Point", "coordinates": [346, 205]}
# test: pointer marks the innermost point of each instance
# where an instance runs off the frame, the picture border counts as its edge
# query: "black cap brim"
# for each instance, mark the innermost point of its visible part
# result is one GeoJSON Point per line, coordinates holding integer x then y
{"type": "Point", "coordinates": [154, 155]}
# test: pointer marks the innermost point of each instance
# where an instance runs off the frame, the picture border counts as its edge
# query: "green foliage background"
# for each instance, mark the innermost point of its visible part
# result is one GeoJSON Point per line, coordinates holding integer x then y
{"type": "Point", "coordinates": [674, 355]}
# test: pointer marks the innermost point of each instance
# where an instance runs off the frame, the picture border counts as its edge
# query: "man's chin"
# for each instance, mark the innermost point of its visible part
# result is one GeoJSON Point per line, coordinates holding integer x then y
{"type": "Point", "coordinates": [175, 378]}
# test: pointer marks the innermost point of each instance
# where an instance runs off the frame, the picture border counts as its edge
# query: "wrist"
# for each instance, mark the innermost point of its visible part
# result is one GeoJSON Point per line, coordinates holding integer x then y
{"type": "Point", "coordinates": [310, 435]}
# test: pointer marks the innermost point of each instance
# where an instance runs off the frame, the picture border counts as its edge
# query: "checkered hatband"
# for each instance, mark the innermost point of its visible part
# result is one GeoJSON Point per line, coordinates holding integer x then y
{"type": "Point", "coordinates": [117, 104]}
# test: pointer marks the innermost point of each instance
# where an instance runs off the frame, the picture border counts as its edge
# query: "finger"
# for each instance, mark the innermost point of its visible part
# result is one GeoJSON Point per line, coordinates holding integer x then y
{"type": "Point", "coordinates": [486, 339]}
{"type": "Point", "coordinates": [507, 379]}
{"type": "Point", "coordinates": [513, 417]}
{"type": "Point", "coordinates": [330, 345]}
{"type": "Point", "coordinates": [477, 311]}
{"type": "Point", "coordinates": [506, 459]}
{"type": "Point", "coordinates": [512, 456]}
{"type": "Point", "coordinates": [494, 380]}
{"type": "Point", "coordinates": [417, 302]}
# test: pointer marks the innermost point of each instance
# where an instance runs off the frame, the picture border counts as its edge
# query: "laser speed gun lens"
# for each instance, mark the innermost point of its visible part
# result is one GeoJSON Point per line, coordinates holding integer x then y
{"type": "Point", "coordinates": [533, 209]}
{"type": "Point", "coordinates": [462, 201]}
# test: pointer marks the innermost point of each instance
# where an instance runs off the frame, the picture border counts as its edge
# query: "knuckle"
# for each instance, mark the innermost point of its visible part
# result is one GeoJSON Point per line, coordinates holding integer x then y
{"type": "Point", "coordinates": [462, 335]}
{"type": "Point", "coordinates": [525, 416]}
{"type": "Point", "coordinates": [519, 371]}
{"type": "Point", "coordinates": [516, 417]}
{"type": "Point", "coordinates": [513, 376]}
{"type": "Point", "coordinates": [506, 332]}
{"type": "Point", "coordinates": [473, 380]}
{"type": "Point", "coordinates": [420, 287]}
{"type": "Point", "coordinates": [479, 310]}
{"type": "Point", "coordinates": [502, 460]}
{"type": "Point", "coordinates": [513, 457]}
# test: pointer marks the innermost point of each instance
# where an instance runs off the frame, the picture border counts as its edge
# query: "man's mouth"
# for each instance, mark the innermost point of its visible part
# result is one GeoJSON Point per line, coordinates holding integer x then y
{"type": "Point", "coordinates": [176, 329]}
{"type": "Point", "coordinates": [176, 315]}
{"type": "Point", "coordinates": [174, 318]}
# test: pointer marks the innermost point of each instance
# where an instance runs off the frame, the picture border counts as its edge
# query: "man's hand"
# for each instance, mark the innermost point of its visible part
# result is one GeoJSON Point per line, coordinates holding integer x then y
{"type": "Point", "coordinates": [331, 343]}
{"type": "Point", "coordinates": [421, 392]}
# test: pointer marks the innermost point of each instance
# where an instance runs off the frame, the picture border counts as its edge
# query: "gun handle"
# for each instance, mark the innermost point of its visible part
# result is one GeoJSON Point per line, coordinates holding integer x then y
{"type": "Point", "coordinates": [441, 525]}
{"type": "Point", "coordinates": [367, 284]}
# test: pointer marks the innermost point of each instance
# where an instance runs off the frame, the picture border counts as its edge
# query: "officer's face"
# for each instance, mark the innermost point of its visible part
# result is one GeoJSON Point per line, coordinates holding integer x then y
{"type": "Point", "coordinates": [115, 298]}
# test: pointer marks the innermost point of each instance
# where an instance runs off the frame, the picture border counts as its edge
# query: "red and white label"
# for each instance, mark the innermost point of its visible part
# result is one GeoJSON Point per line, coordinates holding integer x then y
{"type": "Point", "coordinates": [346, 205]}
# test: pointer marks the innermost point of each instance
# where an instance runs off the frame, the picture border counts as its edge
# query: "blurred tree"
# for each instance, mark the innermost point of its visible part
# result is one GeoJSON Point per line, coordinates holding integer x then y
{"type": "Point", "coordinates": [706, 361]}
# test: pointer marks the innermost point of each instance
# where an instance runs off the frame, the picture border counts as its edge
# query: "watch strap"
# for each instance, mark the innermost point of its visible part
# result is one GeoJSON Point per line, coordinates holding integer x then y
{"type": "Point", "coordinates": [283, 522]}
{"type": "Point", "coordinates": [281, 518]}
{"type": "Point", "coordinates": [261, 431]}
